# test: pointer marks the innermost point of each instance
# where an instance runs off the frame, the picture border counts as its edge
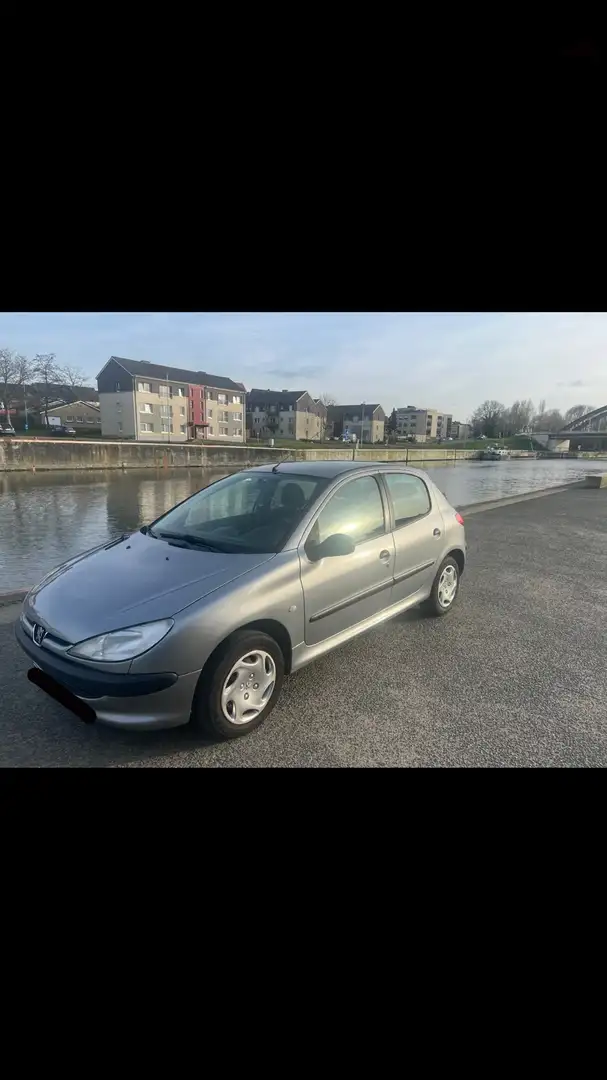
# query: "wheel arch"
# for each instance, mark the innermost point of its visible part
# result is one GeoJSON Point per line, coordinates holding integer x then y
{"type": "Point", "coordinates": [460, 558]}
{"type": "Point", "coordinates": [272, 627]}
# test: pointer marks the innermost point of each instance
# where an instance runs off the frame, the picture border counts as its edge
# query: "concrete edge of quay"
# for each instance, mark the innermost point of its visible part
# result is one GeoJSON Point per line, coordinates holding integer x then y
{"type": "Point", "coordinates": [18, 595]}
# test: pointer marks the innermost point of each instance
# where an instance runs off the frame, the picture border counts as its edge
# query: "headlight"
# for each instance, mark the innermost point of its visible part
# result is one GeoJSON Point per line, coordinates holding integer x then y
{"type": "Point", "coordinates": [122, 644]}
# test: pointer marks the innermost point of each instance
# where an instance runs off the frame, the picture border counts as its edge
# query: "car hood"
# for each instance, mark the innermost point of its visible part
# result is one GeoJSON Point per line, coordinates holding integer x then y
{"type": "Point", "coordinates": [129, 581]}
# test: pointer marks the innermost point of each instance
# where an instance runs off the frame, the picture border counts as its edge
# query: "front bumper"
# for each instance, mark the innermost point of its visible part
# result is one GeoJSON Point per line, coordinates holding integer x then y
{"type": "Point", "coordinates": [143, 701]}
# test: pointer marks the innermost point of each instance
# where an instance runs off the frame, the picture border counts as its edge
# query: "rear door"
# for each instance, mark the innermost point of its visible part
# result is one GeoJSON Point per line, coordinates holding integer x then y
{"type": "Point", "coordinates": [418, 533]}
{"type": "Point", "coordinates": [342, 591]}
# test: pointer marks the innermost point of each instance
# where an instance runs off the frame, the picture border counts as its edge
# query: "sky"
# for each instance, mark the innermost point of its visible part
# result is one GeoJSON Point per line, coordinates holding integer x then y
{"type": "Point", "coordinates": [449, 361]}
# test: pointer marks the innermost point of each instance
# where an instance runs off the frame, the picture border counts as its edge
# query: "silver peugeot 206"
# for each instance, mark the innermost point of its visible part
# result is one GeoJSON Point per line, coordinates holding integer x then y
{"type": "Point", "coordinates": [197, 617]}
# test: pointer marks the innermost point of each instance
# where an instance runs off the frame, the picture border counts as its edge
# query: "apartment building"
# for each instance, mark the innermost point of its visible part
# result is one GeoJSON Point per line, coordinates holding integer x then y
{"type": "Point", "coordinates": [423, 424]}
{"type": "Point", "coordinates": [78, 414]}
{"type": "Point", "coordinates": [285, 414]}
{"type": "Point", "coordinates": [460, 431]}
{"type": "Point", "coordinates": [366, 421]}
{"type": "Point", "coordinates": [157, 403]}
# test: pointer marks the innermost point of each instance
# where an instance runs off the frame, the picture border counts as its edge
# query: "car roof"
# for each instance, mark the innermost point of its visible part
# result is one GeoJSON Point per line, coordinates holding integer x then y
{"type": "Point", "coordinates": [328, 468]}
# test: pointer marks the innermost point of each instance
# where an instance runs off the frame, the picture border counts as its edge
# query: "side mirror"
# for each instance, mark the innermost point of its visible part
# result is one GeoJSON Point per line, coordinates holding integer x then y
{"type": "Point", "coordinates": [338, 544]}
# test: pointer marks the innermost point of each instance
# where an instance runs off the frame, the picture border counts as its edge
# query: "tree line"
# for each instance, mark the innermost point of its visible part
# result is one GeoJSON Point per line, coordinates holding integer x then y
{"type": "Point", "coordinates": [18, 372]}
{"type": "Point", "coordinates": [494, 419]}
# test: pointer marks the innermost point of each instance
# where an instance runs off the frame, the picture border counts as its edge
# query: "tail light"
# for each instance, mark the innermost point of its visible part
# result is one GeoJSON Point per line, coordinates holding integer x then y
{"type": "Point", "coordinates": [459, 519]}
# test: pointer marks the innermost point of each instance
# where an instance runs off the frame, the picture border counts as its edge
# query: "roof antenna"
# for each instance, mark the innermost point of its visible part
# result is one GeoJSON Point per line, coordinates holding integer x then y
{"type": "Point", "coordinates": [281, 462]}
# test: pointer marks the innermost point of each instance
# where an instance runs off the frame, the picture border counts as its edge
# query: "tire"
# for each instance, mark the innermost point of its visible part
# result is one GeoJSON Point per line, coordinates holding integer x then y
{"type": "Point", "coordinates": [256, 687]}
{"type": "Point", "coordinates": [435, 604]}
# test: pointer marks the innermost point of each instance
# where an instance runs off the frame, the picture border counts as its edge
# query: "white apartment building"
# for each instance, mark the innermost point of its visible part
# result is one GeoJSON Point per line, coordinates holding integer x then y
{"type": "Point", "coordinates": [422, 424]}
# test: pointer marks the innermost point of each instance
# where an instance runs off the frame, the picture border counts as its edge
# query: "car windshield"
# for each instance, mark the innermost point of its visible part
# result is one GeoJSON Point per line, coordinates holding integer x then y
{"type": "Point", "coordinates": [251, 512]}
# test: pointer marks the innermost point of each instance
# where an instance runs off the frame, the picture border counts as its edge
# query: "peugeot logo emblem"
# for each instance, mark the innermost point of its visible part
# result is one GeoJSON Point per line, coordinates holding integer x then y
{"type": "Point", "coordinates": [39, 634]}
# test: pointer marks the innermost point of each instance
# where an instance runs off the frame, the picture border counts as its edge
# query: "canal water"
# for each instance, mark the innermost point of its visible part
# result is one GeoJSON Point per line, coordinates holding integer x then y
{"type": "Point", "coordinates": [46, 518]}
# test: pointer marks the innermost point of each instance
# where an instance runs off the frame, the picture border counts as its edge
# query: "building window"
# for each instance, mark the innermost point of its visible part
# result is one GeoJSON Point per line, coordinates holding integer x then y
{"type": "Point", "coordinates": [118, 407]}
{"type": "Point", "coordinates": [209, 412]}
{"type": "Point", "coordinates": [164, 391]}
{"type": "Point", "coordinates": [79, 419]}
{"type": "Point", "coordinates": [144, 387]}
{"type": "Point", "coordinates": [119, 427]}
{"type": "Point", "coordinates": [210, 429]}
{"type": "Point", "coordinates": [222, 399]}
{"type": "Point", "coordinates": [146, 427]}
{"type": "Point", "coordinates": [179, 391]}
{"type": "Point", "coordinates": [209, 395]}
{"type": "Point", "coordinates": [182, 410]}
{"type": "Point", "coordinates": [117, 387]}
{"type": "Point", "coordinates": [223, 429]}
{"type": "Point", "coordinates": [237, 416]}
{"type": "Point", "coordinates": [238, 432]}
{"type": "Point", "coordinates": [235, 399]}
{"type": "Point", "coordinates": [166, 427]}
{"type": "Point", "coordinates": [224, 416]}
{"type": "Point", "coordinates": [182, 429]}
{"type": "Point", "coordinates": [70, 419]}
{"type": "Point", "coordinates": [165, 410]}
{"type": "Point", "coordinates": [145, 408]}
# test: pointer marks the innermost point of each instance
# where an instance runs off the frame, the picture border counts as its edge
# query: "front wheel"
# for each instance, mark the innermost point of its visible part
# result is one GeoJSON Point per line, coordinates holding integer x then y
{"type": "Point", "coordinates": [241, 685]}
{"type": "Point", "coordinates": [445, 588]}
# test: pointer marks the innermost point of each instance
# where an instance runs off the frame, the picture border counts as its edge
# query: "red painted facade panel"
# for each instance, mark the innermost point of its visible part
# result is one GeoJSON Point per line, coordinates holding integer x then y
{"type": "Point", "coordinates": [196, 404]}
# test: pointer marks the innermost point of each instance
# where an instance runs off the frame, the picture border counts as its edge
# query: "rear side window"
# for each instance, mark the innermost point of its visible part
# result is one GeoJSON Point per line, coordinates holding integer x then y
{"type": "Point", "coordinates": [409, 495]}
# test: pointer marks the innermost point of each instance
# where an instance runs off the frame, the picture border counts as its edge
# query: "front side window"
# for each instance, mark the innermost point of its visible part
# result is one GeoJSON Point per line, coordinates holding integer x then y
{"type": "Point", "coordinates": [355, 509]}
{"type": "Point", "coordinates": [409, 496]}
{"type": "Point", "coordinates": [249, 512]}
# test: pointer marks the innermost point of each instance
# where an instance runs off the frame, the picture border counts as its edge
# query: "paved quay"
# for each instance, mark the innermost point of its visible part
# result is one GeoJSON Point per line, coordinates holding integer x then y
{"type": "Point", "coordinates": [515, 676]}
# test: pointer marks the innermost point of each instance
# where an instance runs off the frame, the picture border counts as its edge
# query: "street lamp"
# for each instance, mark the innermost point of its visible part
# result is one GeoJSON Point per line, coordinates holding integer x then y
{"type": "Point", "coordinates": [362, 423]}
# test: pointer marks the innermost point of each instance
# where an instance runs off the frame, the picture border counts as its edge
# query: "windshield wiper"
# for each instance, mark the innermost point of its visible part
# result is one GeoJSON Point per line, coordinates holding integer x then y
{"type": "Point", "coordinates": [190, 539]}
{"type": "Point", "coordinates": [147, 530]}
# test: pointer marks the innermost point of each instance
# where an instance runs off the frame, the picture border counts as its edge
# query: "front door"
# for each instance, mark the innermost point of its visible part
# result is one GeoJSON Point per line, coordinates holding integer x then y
{"type": "Point", "coordinates": [342, 591]}
{"type": "Point", "coordinates": [418, 534]}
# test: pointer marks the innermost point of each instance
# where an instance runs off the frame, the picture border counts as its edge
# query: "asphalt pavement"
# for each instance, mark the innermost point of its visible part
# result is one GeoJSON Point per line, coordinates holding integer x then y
{"type": "Point", "coordinates": [515, 676]}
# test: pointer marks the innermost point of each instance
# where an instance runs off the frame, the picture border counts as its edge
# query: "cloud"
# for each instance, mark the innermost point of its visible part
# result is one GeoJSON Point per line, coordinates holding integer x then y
{"type": "Point", "coordinates": [576, 382]}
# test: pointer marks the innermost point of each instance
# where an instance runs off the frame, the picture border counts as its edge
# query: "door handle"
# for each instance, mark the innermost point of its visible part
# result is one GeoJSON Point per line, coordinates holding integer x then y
{"type": "Point", "coordinates": [436, 532]}
{"type": "Point", "coordinates": [384, 556]}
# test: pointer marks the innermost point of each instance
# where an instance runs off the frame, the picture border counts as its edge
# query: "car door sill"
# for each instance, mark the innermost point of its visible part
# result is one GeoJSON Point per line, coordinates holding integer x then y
{"type": "Point", "coordinates": [303, 654]}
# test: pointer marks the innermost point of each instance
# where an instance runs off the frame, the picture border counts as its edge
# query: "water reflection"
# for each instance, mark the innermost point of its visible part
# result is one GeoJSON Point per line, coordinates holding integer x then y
{"type": "Point", "coordinates": [47, 517]}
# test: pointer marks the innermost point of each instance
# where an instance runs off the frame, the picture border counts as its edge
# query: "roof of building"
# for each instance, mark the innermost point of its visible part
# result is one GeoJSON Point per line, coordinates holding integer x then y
{"type": "Point", "coordinates": [161, 371]}
{"type": "Point", "coordinates": [354, 408]}
{"type": "Point", "coordinates": [70, 404]}
{"type": "Point", "coordinates": [256, 396]}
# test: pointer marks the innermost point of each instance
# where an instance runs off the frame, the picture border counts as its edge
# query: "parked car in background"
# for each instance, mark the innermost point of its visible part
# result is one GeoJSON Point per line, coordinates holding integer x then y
{"type": "Point", "coordinates": [199, 616]}
{"type": "Point", "coordinates": [61, 429]}
{"type": "Point", "coordinates": [7, 429]}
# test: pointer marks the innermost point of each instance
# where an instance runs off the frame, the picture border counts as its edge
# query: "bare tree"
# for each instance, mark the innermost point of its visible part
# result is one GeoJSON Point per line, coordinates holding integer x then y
{"type": "Point", "coordinates": [72, 378]}
{"type": "Point", "coordinates": [46, 370]}
{"type": "Point", "coordinates": [519, 416]}
{"type": "Point", "coordinates": [488, 418]}
{"type": "Point", "coordinates": [326, 400]}
{"type": "Point", "coordinates": [548, 420]}
{"type": "Point", "coordinates": [576, 412]}
{"type": "Point", "coordinates": [14, 371]}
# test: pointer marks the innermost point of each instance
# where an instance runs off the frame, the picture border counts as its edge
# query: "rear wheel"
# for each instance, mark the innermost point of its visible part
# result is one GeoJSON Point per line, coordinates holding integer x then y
{"type": "Point", "coordinates": [445, 588]}
{"type": "Point", "coordinates": [240, 686]}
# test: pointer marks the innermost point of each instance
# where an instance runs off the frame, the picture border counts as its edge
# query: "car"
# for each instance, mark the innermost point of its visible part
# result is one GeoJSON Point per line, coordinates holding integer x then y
{"type": "Point", "coordinates": [197, 617]}
{"type": "Point", "coordinates": [8, 430]}
{"type": "Point", "coordinates": [61, 429]}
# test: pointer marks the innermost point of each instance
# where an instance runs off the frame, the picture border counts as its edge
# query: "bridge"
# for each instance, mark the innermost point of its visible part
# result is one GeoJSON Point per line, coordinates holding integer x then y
{"type": "Point", "coordinates": [588, 432]}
